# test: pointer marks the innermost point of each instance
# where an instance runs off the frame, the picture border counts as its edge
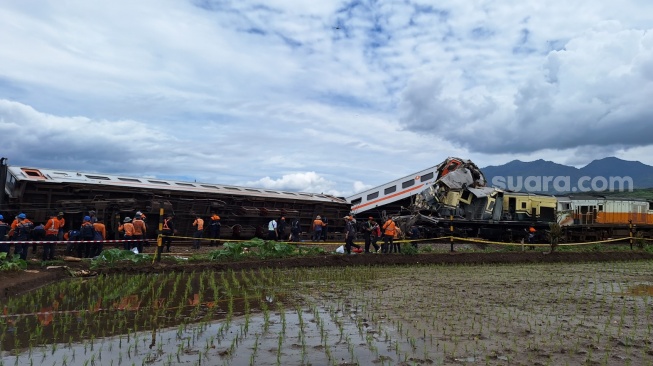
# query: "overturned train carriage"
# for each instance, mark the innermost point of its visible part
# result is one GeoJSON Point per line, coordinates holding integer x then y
{"type": "Point", "coordinates": [244, 211]}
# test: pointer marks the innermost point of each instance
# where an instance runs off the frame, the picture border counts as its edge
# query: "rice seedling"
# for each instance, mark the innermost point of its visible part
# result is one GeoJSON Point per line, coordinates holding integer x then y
{"type": "Point", "coordinates": [494, 313]}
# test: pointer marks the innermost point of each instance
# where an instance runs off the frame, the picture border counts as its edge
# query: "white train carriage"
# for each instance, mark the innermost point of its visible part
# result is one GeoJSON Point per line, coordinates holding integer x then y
{"type": "Point", "coordinates": [397, 190]}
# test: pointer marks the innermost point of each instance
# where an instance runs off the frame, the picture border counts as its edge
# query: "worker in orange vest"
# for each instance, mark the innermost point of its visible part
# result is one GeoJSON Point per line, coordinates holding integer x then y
{"type": "Point", "coordinates": [199, 232]}
{"type": "Point", "coordinates": [62, 225]}
{"type": "Point", "coordinates": [388, 235]}
{"type": "Point", "coordinates": [127, 228]}
{"type": "Point", "coordinates": [139, 231]}
{"type": "Point", "coordinates": [214, 229]}
{"type": "Point", "coordinates": [101, 235]}
{"type": "Point", "coordinates": [318, 225]}
{"type": "Point", "coordinates": [51, 234]}
{"type": "Point", "coordinates": [167, 232]}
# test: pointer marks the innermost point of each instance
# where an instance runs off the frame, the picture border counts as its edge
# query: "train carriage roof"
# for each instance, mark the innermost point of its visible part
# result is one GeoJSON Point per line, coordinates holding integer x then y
{"type": "Point", "coordinates": [56, 176]}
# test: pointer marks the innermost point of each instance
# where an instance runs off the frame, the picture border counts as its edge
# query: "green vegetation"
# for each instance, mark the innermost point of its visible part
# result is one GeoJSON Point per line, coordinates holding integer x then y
{"type": "Point", "coordinates": [112, 256]}
{"type": "Point", "coordinates": [13, 264]}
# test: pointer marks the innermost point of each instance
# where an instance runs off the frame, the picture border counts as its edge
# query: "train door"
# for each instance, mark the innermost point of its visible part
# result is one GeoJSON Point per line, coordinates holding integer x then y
{"type": "Point", "coordinates": [587, 214]}
{"type": "Point", "coordinates": [512, 206]}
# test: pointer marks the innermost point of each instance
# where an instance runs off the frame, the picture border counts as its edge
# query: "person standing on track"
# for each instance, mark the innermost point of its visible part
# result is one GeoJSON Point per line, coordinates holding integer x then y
{"type": "Point", "coordinates": [350, 234]}
{"type": "Point", "coordinates": [139, 231]}
{"type": "Point", "coordinates": [4, 233]}
{"type": "Point", "coordinates": [23, 230]}
{"type": "Point", "coordinates": [388, 235]}
{"type": "Point", "coordinates": [199, 232]}
{"type": "Point", "coordinates": [87, 234]}
{"type": "Point", "coordinates": [101, 235]}
{"type": "Point", "coordinates": [369, 233]}
{"type": "Point", "coordinates": [318, 224]}
{"type": "Point", "coordinates": [51, 235]}
{"type": "Point", "coordinates": [127, 228]}
{"type": "Point", "coordinates": [62, 226]}
{"type": "Point", "coordinates": [272, 229]}
{"type": "Point", "coordinates": [214, 230]}
{"type": "Point", "coordinates": [281, 228]}
{"type": "Point", "coordinates": [167, 232]}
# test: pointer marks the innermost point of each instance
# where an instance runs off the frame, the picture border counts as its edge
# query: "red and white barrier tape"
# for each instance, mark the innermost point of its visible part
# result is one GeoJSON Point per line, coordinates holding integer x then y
{"type": "Point", "coordinates": [71, 241]}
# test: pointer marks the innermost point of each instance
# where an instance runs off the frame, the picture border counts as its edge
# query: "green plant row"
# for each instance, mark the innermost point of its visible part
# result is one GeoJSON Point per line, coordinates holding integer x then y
{"type": "Point", "coordinates": [13, 264]}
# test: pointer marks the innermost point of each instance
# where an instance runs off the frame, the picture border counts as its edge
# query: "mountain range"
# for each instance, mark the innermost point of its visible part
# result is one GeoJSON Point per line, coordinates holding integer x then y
{"type": "Point", "coordinates": [597, 172]}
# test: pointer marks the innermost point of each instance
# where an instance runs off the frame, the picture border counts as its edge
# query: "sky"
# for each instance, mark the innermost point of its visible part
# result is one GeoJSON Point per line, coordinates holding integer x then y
{"type": "Point", "coordinates": [326, 97]}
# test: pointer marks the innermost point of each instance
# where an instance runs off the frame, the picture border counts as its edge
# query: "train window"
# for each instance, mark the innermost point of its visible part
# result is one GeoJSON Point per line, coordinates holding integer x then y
{"type": "Point", "coordinates": [426, 177]}
{"type": "Point", "coordinates": [33, 173]}
{"type": "Point", "coordinates": [372, 196]}
{"type": "Point", "coordinates": [407, 183]}
{"type": "Point", "coordinates": [252, 190]}
{"type": "Point", "coordinates": [11, 182]}
{"type": "Point", "coordinates": [523, 205]}
{"type": "Point", "coordinates": [130, 180]}
{"type": "Point", "coordinates": [290, 193]}
{"type": "Point", "coordinates": [208, 186]}
{"type": "Point", "coordinates": [232, 188]}
{"type": "Point", "coordinates": [60, 173]}
{"type": "Point", "coordinates": [306, 194]}
{"type": "Point", "coordinates": [98, 177]}
{"type": "Point", "coordinates": [272, 192]}
{"type": "Point", "coordinates": [465, 195]}
{"type": "Point", "coordinates": [650, 206]}
{"type": "Point", "coordinates": [185, 184]}
{"type": "Point", "coordinates": [600, 207]}
{"type": "Point", "coordinates": [389, 189]}
{"type": "Point", "coordinates": [322, 196]}
{"type": "Point", "coordinates": [158, 182]}
{"type": "Point", "coordinates": [357, 201]}
{"type": "Point", "coordinates": [566, 206]}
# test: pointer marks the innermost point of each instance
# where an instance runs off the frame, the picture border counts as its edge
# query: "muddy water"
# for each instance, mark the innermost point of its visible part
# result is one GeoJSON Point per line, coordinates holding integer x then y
{"type": "Point", "coordinates": [508, 314]}
{"type": "Point", "coordinates": [271, 318]}
{"type": "Point", "coordinates": [300, 336]}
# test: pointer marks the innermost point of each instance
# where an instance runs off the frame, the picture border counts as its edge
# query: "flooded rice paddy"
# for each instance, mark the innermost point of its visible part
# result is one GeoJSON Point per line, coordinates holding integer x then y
{"type": "Point", "coordinates": [542, 314]}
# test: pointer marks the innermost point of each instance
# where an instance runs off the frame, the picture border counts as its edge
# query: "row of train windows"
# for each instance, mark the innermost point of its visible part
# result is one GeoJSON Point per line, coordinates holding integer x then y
{"type": "Point", "coordinates": [97, 177]}
{"type": "Point", "coordinates": [36, 173]}
{"type": "Point", "coordinates": [388, 190]}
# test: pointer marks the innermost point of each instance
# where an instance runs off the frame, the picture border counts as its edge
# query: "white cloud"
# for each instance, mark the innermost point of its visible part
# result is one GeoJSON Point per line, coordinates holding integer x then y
{"type": "Point", "coordinates": [299, 182]}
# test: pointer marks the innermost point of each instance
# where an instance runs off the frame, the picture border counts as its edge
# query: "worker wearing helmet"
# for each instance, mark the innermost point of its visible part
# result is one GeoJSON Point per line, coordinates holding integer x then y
{"type": "Point", "coordinates": [23, 231]}
{"type": "Point", "coordinates": [318, 225]}
{"type": "Point", "coordinates": [87, 234]}
{"type": "Point", "coordinates": [140, 229]}
{"type": "Point", "coordinates": [127, 230]}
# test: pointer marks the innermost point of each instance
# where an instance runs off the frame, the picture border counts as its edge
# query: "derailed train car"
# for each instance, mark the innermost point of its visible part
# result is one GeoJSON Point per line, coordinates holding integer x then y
{"type": "Point", "coordinates": [454, 193]}
{"type": "Point", "coordinates": [244, 211]}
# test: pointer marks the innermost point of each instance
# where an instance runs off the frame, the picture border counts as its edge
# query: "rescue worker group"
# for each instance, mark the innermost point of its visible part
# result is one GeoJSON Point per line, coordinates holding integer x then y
{"type": "Point", "coordinates": [88, 241]}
